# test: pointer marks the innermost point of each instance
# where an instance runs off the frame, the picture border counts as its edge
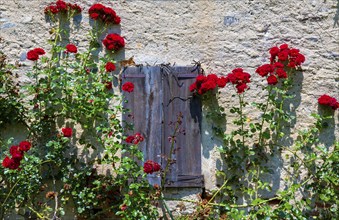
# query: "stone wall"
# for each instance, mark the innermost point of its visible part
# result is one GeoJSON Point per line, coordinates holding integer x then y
{"type": "Point", "coordinates": [222, 35]}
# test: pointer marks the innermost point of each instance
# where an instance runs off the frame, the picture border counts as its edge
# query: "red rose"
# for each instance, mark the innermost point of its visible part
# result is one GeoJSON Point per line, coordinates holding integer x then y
{"type": "Point", "coordinates": [39, 51]}
{"type": "Point", "coordinates": [109, 11]}
{"type": "Point", "coordinates": [76, 8]}
{"type": "Point", "coordinates": [94, 16]}
{"type": "Point", "coordinates": [129, 139]}
{"type": "Point", "coordinates": [264, 70]}
{"type": "Point", "coordinates": [117, 20]}
{"type": "Point", "coordinates": [14, 164]}
{"type": "Point", "coordinates": [71, 48]}
{"type": "Point", "coordinates": [299, 59]}
{"type": "Point", "coordinates": [240, 78]}
{"type": "Point", "coordinates": [114, 42]}
{"type": "Point", "coordinates": [108, 85]}
{"type": "Point", "coordinates": [109, 67]}
{"type": "Point", "coordinates": [212, 77]}
{"type": "Point", "coordinates": [207, 86]}
{"type": "Point", "coordinates": [103, 13]}
{"type": "Point", "coordinates": [51, 9]}
{"type": "Point", "coordinates": [274, 51]}
{"type": "Point", "coordinates": [291, 64]}
{"type": "Point", "coordinates": [241, 87]}
{"type": "Point", "coordinates": [278, 65]}
{"type": "Point", "coordinates": [6, 162]}
{"type": "Point", "coordinates": [201, 78]}
{"type": "Point", "coordinates": [24, 146]}
{"type": "Point", "coordinates": [128, 87]}
{"type": "Point", "coordinates": [151, 166]}
{"type": "Point", "coordinates": [293, 52]}
{"type": "Point", "coordinates": [138, 138]}
{"type": "Point", "coordinates": [32, 55]}
{"type": "Point", "coordinates": [222, 81]}
{"type": "Point", "coordinates": [329, 101]}
{"type": "Point", "coordinates": [110, 134]}
{"type": "Point", "coordinates": [232, 78]}
{"type": "Point", "coordinates": [95, 7]}
{"type": "Point", "coordinates": [10, 163]}
{"type": "Point", "coordinates": [325, 100]}
{"type": "Point", "coordinates": [283, 46]}
{"type": "Point", "coordinates": [272, 80]}
{"type": "Point", "coordinates": [67, 132]}
{"type": "Point", "coordinates": [16, 153]}
{"type": "Point", "coordinates": [281, 73]}
{"type": "Point", "coordinates": [193, 87]}
{"type": "Point", "coordinates": [283, 55]}
{"type": "Point", "coordinates": [61, 5]}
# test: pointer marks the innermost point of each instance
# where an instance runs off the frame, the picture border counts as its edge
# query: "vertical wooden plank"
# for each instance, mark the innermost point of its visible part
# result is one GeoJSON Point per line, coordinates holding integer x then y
{"type": "Point", "coordinates": [154, 115]}
{"type": "Point", "coordinates": [146, 111]}
{"type": "Point", "coordinates": [170, 113]}
{"type": "Point", "coordinates": [186, 172]}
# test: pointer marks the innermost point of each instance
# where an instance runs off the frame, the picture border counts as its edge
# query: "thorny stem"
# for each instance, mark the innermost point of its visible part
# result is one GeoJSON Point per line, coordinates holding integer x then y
{"type": "Point", "coordinates": [166, 207]}
{"type": "Point", "coordinates": [37, 213]}
{"type": "Point", "coordinates": [242, 118]}
{"type": "Point", "coordinates": [281, 105]}
{"type": "Point", "coordinates": [94, 34]}
{"type": "Point", "coordinates": [217, 192]}
{"type": "Point", "coordinates": [169, 162]}
{"type": "Point", "coordinates": [169, 159]}
{"type": "Point", "coordinates": [264, 113]}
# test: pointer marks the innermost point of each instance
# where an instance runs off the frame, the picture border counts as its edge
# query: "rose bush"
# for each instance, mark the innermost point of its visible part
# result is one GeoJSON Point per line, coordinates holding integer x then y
{"type": "Point", "coordinates": [247, 152]}
{"type": "Point", "coordinates": [70, 103]}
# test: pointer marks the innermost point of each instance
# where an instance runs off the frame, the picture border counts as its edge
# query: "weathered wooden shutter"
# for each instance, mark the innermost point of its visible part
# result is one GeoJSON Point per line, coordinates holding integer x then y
{"type": "Point", "coordinates": [146, 110]}
{"type": "Point", "coordinates": [159, 95]}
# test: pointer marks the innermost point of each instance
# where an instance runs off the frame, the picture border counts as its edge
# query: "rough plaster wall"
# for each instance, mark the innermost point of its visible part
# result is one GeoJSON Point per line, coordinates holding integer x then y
{"type": "Point", "coordinates": [222, 35]}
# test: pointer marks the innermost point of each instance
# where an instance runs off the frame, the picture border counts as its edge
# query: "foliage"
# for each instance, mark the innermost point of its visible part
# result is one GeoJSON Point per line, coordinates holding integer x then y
{"type": "Point", "coordinates": [248, 152]}
{"type": "Point", "coordinates": [71, 103]}
{"type": "Point", "coordinates": [10, 102]}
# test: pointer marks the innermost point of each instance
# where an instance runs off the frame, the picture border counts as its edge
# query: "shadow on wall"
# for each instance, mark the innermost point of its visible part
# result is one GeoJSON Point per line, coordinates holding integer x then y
{"type": "Point", "coordinates": [327, 134]}
{"type": "Point", "coordinates": [215, 123]}
{"type": "Point", "coordinates": [336, 16]}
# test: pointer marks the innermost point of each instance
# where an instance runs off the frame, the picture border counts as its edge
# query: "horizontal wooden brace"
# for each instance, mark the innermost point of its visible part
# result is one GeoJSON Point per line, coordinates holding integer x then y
{"type": "Point", "coordinates": [187, 181]}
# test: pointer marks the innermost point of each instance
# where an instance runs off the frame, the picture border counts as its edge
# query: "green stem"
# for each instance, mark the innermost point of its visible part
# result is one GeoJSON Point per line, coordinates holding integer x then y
{"type": "Point", "coordinates": [166, 207]}
{"type": "Point", "coordinates": [217, 192]}
{"type": "Point", "coordinates": [37, 213]}
{"type": "Point", "coordinates": [241, 119]}
{"type": "Point", "coordinates": [169, 159]}
{"type": "Point", "coordinates": [10, 192]}
{"type": "Point", "coordinates": [263, 116]}
{"type": "Point", "coordinates": [286, 86]}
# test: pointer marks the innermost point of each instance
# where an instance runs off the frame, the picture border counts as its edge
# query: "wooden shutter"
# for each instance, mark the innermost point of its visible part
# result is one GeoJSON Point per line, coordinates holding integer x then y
{"type": "Point", "coordinates": [186, 171]}
{"type": "Point", "coordinates": [153, 107]}
{"type": "Point", "coordinates": [146, 111]}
